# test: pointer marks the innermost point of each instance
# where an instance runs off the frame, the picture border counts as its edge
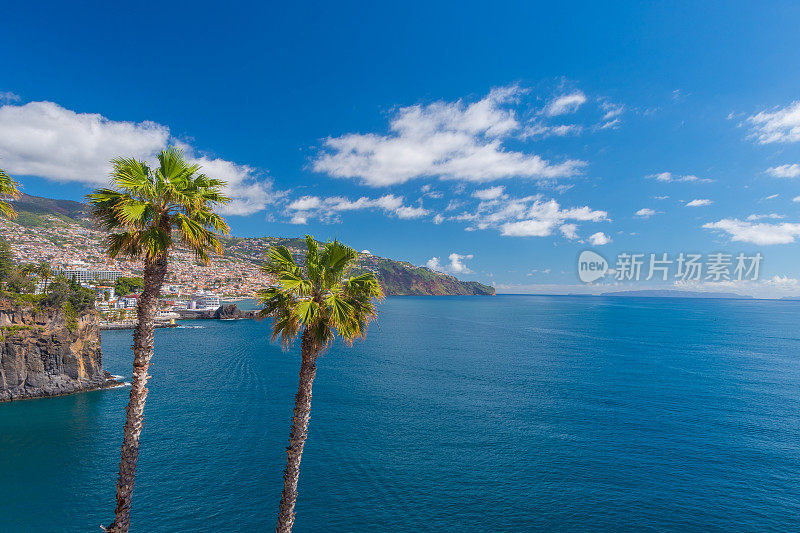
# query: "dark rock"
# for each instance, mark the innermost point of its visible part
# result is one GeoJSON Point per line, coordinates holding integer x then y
{"type": "Point", "coordinates": [41, 356]}
{"type": "Point", "coordinates": [228, 312]}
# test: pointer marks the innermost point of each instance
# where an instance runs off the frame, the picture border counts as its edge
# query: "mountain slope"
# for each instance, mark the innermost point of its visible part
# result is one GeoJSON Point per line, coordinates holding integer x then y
{"type": "Point", "coordinates": [396, 277]}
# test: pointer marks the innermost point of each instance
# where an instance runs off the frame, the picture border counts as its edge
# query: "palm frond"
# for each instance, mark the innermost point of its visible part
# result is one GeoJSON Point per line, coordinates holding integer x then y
{"type": "Point", "coordinates": [148, 204]}
{"type": "Point", "coordinates": [318, 299]}
{"type": "Point", "coordinates": [9, 190]}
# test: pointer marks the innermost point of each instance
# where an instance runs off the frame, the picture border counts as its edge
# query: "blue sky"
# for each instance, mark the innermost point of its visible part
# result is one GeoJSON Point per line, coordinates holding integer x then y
{"type": "Point", "coordinates": [501, 139]}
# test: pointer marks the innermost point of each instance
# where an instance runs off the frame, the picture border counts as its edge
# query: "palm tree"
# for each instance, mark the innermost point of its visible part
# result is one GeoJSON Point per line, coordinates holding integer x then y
{"type": "Point", "coordinates": [45, 273]}
{"type": "Point", "coordinates": [321, 301]}
{"type": "Point", "coordinates": [9, 190]}
{"type": "Point", "coordinates": [145, 213]}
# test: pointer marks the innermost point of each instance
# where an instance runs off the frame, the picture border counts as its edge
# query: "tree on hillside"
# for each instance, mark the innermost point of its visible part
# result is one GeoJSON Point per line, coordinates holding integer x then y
{"type": "Point", "coordinates": [6, 260]}
{"type": "Point", "coordinates": [317, 301]}
{"type": "Point", "coordinates": [9, 190]}
{"type": "Point", "coordinates": [124, 286]}
{"type": "Point", "coordinates": [45, 273]}
{"type": "Point", "coordinates": [145, 213]}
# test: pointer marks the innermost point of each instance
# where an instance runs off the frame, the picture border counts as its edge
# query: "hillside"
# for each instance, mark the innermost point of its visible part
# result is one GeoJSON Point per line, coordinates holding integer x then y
{"type": "Point", "coordinates": [396, 277]}
{"type": "Point", "coordinates": [61, 232]}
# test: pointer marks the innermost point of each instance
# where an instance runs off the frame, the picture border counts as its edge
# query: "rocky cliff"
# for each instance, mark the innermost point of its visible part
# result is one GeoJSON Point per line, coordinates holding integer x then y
{"type": "Point", "coordinates": [47, 352]}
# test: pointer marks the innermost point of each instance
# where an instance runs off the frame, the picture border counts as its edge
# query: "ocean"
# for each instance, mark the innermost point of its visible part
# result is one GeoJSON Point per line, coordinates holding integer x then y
{"type": "Point", "coordinates": [507, 413]}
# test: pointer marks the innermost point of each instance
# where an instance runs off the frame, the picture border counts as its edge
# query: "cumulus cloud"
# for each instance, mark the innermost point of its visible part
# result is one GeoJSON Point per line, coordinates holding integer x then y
{"type": "Point", "coordinates": [776, 125]}
{"type": "Point", "coordinates": [570, 231]}
{"type": "Point", "coordinates": [565, 103]}
{"type": "Point", "coordinates": [699, 202]}
{"type": "Point", "coordinates": [305, 208]}
{"type": "Point", "coordinates": [645, 212]}
{"type": "Point", "coordinates": [492, 193]}
{"type": "Point", "coordinates": [599, 239]}
{"type": "Point", "coordinates": [756, 232]}
{"type": "Point", "coordinates": [455, 266]}
{"type": "Point", "coordinates": [449, 140]}
{"type": "Point", "coordinates": [46, 140]}
{"type": "Point", "coordinates": [784, 171]}
{"type": "Point", "coordinates": [669, 177]}
{"type": "Point", "coordinates": [529, 216]}
{"type": "Point", "coordinates": [248, 193]}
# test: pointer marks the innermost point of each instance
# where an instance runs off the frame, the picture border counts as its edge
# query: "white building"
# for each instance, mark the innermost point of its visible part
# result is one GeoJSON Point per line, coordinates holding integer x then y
{"type": "Point", "coordinates": [85, 275]}
{"type": "Point", "coordinates": [203, 300]}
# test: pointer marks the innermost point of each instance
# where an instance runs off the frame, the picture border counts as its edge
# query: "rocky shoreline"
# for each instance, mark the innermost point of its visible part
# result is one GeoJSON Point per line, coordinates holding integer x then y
{"type": "Point", "coordinates": [223, 312]}
{"type": "Point", "coordinates": [64, 388]}
{"type": "Point", "coordinates": [48, 352]}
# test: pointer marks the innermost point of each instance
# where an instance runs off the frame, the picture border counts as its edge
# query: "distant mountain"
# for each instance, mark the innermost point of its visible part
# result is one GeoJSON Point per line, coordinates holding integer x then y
{"type": "Point", "coordinates": [48, 216]}
{"type": "Point", "coordinates": [31, 210]}
{"type": "Point", "coordinates": [671, 293]}
{"type": "Point", "coordinates": [396, 277]}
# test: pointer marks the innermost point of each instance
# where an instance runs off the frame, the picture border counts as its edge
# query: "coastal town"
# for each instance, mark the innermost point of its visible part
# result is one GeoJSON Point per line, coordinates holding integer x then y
{"type": "Point", "coordinates": [75, 249]}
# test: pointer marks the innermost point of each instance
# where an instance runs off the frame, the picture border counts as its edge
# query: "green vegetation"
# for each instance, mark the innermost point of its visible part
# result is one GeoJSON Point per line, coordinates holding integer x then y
{"type": "Point", "coordinates": [27, 219]}
{"type": "Point", "coordinates": [18, 285]}
{"type": "Point", "coordinates": [70, 316]}
{"type": "Point", "coordinates": [318, 301]}
{"type": "Point", "coordinates": [62, 291]}
{"type": "Point", "coordinates": [124, 286]}
{"type": "Point", "coordinates": [148, 208]}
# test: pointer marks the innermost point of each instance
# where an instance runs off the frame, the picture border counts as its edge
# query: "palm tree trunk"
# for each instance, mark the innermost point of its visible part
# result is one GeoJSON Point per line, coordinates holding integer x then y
{"type": "Point", "coordinates": [154, 272]}
{"type": "Point", "coordinates": [297, 437]}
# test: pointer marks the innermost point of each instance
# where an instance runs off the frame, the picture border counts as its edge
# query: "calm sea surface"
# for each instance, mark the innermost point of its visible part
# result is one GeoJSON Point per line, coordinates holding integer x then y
{"type": "Point", "coordinates": [511, 413]}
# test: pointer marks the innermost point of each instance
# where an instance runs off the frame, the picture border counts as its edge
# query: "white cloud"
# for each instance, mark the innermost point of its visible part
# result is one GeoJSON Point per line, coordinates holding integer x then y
{"type": "Point", "coordinates": [771, 197]}
{"type": "Point", "coordinates": [456, 265]}
{"type": "Point", "coordinates": [777, 125]}
{"type": "Point", "coordinates": [434, 264]}
{"type": "Point", "coordinates": [538, 129]}
{"type": "Point", "coordinates": [492, 193]}
{"type": "Point", "coordinates": [660, 197]}
{"type": "Point", "coordinates": [784, 171]}
{"type": "Point", "coordinates": [449, 140]}
{"type": "Point", "coordinates": [699, 202]}
{"type": "Point", "coordinates": [611, 110]}
{"type": "Point", "coordinates": [407, 212]}
{"type": "Point", "coordinates": [438, 219]}
{"type": "Point", "coordinates": [530, 216]}
{"type": "Point", "coordinates": [756, 233]}
{"type": "Point", "coordinates": [645, 212]}
{"type": "Point", "coordinates": [570, 231]}
{"type": "Point", "coordinates": [46, 140]}
{"type": "Point", "coordinates": [564, 104]}
{"type": "Point", "coordinates": [305, 208]}
{"type": "Point", "coordinates": [796, 199]}
{"type": "Point", "coordinates": [599, 239]}
{"type": "Point", "coordinates": [761, 217]}
{"type": "Point", "coordinates": [7, 97]}
{"type": "Point", "coordinates": [305, 203]}
{"type": "Point", "coordinates": [669, 177]}
{"type": "Point", "coordinates": [610, 124]}
{"type": "Point", "coordinates": [427, 190]}
{"type": "Point", "coordinates": [249, 194]}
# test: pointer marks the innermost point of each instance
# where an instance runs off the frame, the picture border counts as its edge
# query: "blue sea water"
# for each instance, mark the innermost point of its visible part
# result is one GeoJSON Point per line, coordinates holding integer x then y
{"type": "Point", "coordinates": [512, 413]}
